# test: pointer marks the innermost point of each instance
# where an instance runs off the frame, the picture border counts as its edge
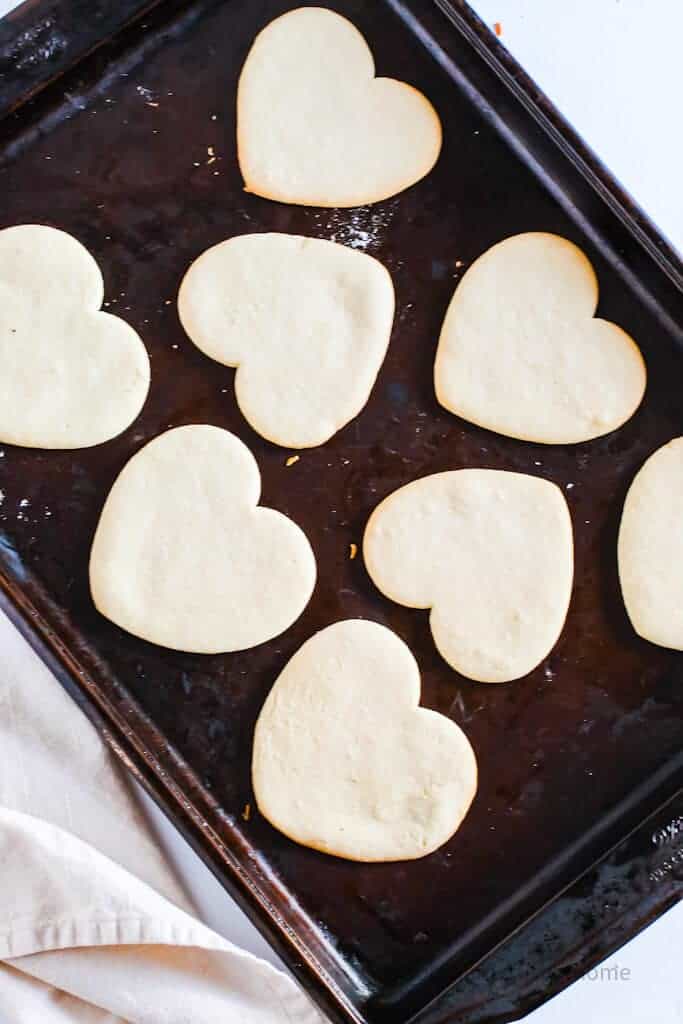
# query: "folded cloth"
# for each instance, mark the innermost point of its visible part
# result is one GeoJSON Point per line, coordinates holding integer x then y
{"type": "Point", "coordinates": [94, 925]}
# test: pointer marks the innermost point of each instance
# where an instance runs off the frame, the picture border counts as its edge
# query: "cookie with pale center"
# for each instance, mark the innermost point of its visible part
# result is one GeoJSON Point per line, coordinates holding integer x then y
{"type": "Point", "coordinates": [490, 553]}
{"type": "Point", "coordinates": [184, 556]}
{"type": "Point", "coordinates": [305, 321]}
{"type": "Point", "coordinates": [650, 548]}
{"type": "Point", "coordinates": [314, 124]}
{"type": "Point", "coordinates": [347, 762]}
{"type": "Point", "coordinates": [71, 375]}
{"type": "Point", "coordinates": [522, 353]}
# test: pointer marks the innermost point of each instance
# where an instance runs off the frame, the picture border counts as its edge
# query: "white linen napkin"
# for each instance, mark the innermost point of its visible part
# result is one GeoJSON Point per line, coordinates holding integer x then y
{"type": "Point", "coordinates": [94, 926]}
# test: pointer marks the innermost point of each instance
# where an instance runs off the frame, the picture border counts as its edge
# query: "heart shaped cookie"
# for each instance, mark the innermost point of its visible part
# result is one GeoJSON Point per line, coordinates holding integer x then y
{"type": "Point", "coordinates": [315, 127]}
{"type": "Point", "coordinates": [307, 322]}
{"type": "Point", "coordinates": [185, 557]}
{"type": "Point", "coordinates": [491, 553]}
{"type": "Point", "coordinates": [521, 353]}
{"type": "Point", "coordinates": [651, 548]}
{"type": "Point", "coordinates": [70, 375]}
{"type": "Point", "coordinates": [344, 759]}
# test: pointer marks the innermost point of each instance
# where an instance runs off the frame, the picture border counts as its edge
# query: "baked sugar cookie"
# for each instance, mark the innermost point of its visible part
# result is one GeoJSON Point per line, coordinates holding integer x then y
{"type": "Point", "coordinates": [185, 557]}
{"type": "Point", "coordinates": [344, 759]}
{"type": "Point", "coordinates": [71, 376]}
{"type": "Point", "coordinates": [490, 553]}
{"type": "Point", "coordinates": [521, 352]}
{"type": "Point", "coordinates": [650, 548]}
{"type": "Point", "coordinates": [307, 322]}
{"type": "Point", "coordinates": [314, 125]}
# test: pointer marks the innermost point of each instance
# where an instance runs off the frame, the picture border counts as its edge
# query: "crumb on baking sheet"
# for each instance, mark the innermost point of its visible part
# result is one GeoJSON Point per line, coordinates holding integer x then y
{"type": "Point", "coordinates": [291, 460]}
{"type": "Point", "coordinates": [353, 551]}
{"type": "Point", "coordinates": [246, 813]}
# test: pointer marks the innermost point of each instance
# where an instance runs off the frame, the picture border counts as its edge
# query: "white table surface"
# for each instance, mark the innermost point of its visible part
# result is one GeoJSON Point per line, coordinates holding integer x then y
{"type": "Point", "coordinates": [613, 69]}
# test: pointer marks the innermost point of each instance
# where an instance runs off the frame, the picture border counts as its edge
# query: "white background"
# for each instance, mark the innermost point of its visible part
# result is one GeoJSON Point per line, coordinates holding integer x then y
{"type": "Point", "coordinates": [613, 69]}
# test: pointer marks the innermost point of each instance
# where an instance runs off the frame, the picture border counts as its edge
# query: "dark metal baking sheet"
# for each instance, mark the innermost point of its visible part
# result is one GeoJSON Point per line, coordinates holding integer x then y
{"type": "Point", "coordinates": [573, 757]}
